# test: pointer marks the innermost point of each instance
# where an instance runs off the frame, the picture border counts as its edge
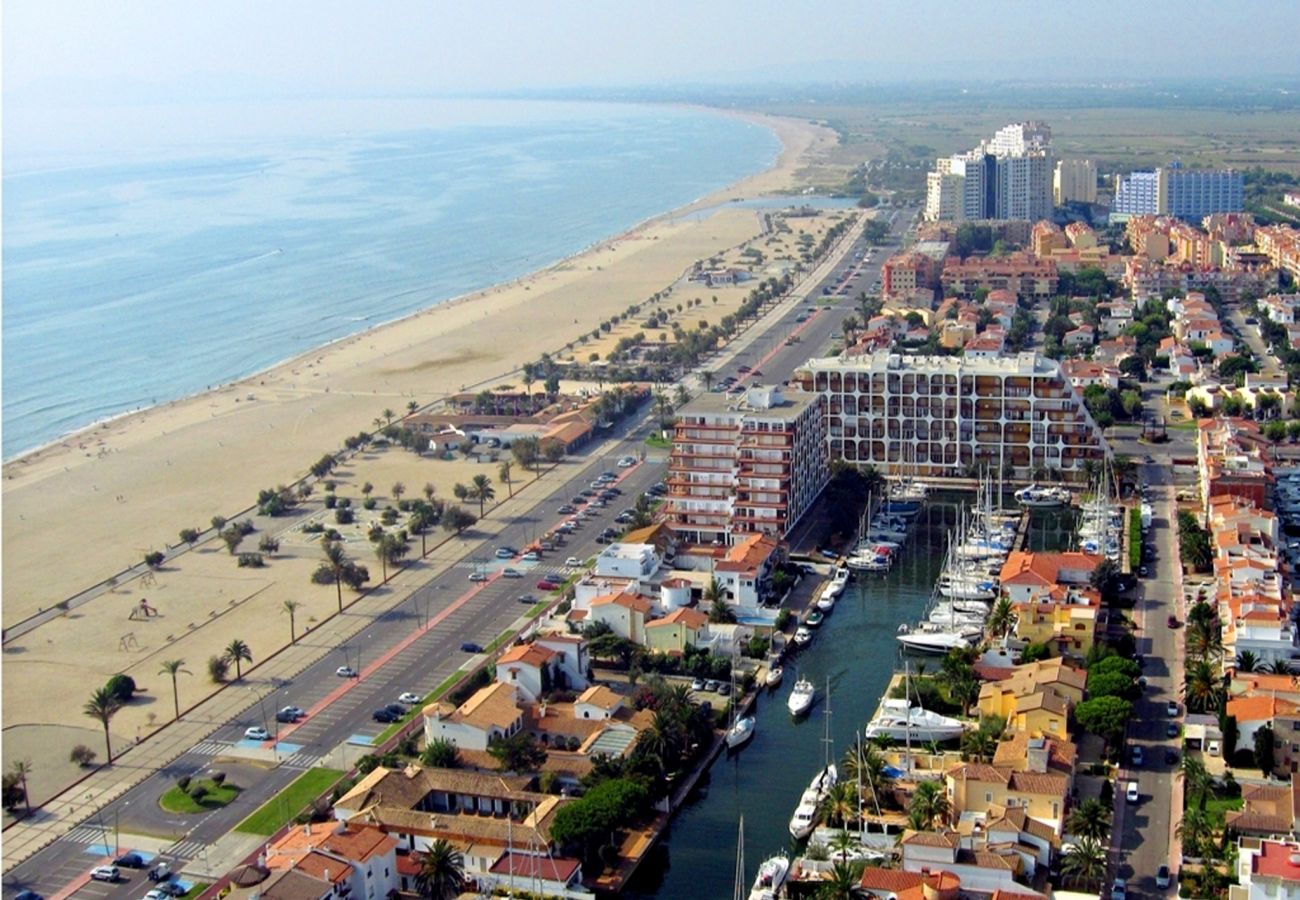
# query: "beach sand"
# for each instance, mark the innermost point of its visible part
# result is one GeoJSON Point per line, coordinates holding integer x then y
{"type": "Point", "coordinates": [79, 511]}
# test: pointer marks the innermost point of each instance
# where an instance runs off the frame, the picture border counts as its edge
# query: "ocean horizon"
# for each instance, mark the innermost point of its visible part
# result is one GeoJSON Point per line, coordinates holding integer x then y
{"type": "Point", "coordinates": [139, 272]}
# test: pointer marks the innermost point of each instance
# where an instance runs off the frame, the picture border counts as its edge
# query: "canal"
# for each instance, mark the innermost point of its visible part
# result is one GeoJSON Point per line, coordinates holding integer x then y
{"type": "Point", "coordinates": [856, 652]}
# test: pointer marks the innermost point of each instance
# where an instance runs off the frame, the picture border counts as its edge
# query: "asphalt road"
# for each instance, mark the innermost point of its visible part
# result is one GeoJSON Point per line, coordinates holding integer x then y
{"type": "Point", "coordinates": [477, 614]}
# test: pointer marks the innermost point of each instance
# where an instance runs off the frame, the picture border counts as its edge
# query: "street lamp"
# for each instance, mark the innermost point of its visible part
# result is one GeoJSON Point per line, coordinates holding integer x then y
{"type": "Point", "coordinates": [117, 826]}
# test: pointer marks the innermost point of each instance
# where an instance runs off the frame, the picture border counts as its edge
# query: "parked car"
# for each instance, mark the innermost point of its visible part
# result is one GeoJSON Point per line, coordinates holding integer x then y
{"type": "Point", "coordinates": [724, 688]}
{"type": "Point", "coordinates": [130, 861]}
{"type": "Point", "coordinates": [526, 599]}
{"type": "Point", "coordinates": [1171, 756]}
{"type": "Point", "coordinates": [1118, 890]}
{"type": "Point", "coordinates": [257, 733]}
{"type": "Point", "coordinates": [105, 873]}
{"type": "Point", "coordinates": [471, 647]}
{"type": "Point", "coordinates": [505, 552]}
{"type": "Point", "coordinates": [697, 684]}
{"type": "Point", "coordinates": [1137, 756]}
{"type": "Point", "coordinates": [547, 585]}
{"type": "Point", "coordinates": [409, 697]}
{"type": "Point", "coordinates": [1172, 729]}
{"type": "Point", "coordinates": [531, 556]}
{"type": "Point", "coordinates": [627, 462]}
{"type": "Point", "coordinates": [157, 894]}
{"type": "Point", "coordinates": [1162, 876]}
{"type": "Point", "coordinates": [711, 685]}
{"type": "Point", "coordinates": [1212, 748]}
{"type": "Point", "coordinates": [508, 572]}
{"type": "Point", "coordinates": [290, 714]}
{"type": "Point", "coordinates": [160, 872]}
{"type": "Point", "coordinates": [478, 576]}
{"type": "Point", "coordinates": [28, 895]}
{"type": "Point", "coordinates": [572, 562]}
{"type": "Point", "coordinates": [1131, 793]}
{"type": "Point", "coordinates": [578, 500]}
{"type": "Point", "coordinates": [566, 510]}
{"type": "Point", "coordinates": [345, 672]}
{"type": "Point", "coordinates": [172, 889]}
{"type": "Point", "coordinates": [1171, 708]}
{"type": "Point", "coordinates": [384, 715]}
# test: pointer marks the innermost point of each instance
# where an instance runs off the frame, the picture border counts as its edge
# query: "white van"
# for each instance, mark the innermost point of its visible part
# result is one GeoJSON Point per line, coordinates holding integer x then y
{"type": "Point", "coordinates": [1131, 795]}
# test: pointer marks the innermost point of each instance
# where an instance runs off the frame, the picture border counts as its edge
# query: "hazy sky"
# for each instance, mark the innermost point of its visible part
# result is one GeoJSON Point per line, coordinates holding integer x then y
{"type": "Point", "coordinates": [73, 52]}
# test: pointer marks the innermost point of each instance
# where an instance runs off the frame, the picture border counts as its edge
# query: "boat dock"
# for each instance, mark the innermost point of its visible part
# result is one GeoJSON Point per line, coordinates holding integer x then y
{"type": "Point", "coordinates": [1022, 532]}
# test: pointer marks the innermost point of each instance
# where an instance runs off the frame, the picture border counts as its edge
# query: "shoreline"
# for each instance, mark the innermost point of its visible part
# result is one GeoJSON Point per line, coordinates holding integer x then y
{"type": "Point", "coordinates": [707, 201]}
{"type": "Point", "coordinates": [125, 484]}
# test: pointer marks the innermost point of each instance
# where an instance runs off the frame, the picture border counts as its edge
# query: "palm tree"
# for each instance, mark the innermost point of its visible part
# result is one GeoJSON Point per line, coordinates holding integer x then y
{"type": "Point", "coordinates": [842, 842]}
{"type": "Point", "coordinates": [388, 415]}
{"type": "Point", "coordinates": [481, 490]}
{"type": "Point", "coordinates": [174, 667]}
{"type": "Point", "coordinates": [337, 562]}
{"type": "Point", "coordinates": [1195, 831]}
{"type": "Point", "coordinates": [442, 872]}
{"type": "Point", "coordinates": [1203, 688]}
{"type": "Point", "coordinates": [1197, 781]}
{"type": "Point", "coordinates": [503, 472]}
{"type": "Point", "coordinates": [238, 653]}
{"type": "Point", "coordinates": [1247, 661]}
{"type": "Point", "coordinates": [1090, 819]}
{"type": "Point", "coordinates": [1205, 640]}
{"type": "Point", "coordinates": [1279, 667]}
{"type": "Point", "coordinates": [412, 406]}
{"type": "Point", "coordinates": [1085, 862]}
{"type": "Point", "coordinates": [979, 745]}
{"type": "Point", "coordinates": [844, 882]}
{"type": "Point", "coordinates": [1002, 619]}
{"type": "Point", "coordinates": [291, 607]}
{"type": "Point", "coordinates": [102, 706]}
{"type": "Point", "coordinates": [840, 805]}
{"type": "Point", "coordinates": [929, 805]}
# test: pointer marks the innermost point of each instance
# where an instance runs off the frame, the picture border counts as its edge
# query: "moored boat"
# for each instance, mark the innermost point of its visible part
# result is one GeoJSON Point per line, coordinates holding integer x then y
{"type": "Point", "coordinates": [770, 877]}
{"type": "Point", "coordinates": [801, 697]}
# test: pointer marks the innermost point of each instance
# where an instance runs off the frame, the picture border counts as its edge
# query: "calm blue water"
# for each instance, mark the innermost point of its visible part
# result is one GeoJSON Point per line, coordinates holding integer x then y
{"type": "Point", "coordinates": [145, 278]}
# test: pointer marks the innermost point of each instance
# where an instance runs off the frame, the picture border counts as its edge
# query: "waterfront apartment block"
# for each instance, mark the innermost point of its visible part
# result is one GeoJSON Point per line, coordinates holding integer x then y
{"type": "Point", "coordinates": [948, 416]}
{"type": "Point", "coordinates": [747, 465]}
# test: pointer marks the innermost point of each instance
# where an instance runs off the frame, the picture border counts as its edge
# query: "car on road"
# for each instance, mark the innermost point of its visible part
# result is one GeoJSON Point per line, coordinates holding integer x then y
{"type": "Point", "coordinates": [578, 500]}
{"type": "Point", "coordinates": [257, 733]}
{"type": "Point", "coordinates": [471, 647]}
{"type": "Point", "coordinates": [1131, 793]}
{"type": "Point", "coordinates": [290, 714]}
{"type": "Point", "coordinates": [505, 553]}
{"type": "Point", "coordinates": [547, 585]}
{"type": "Point", "coordinates": [566, 510]}
{"type": "Point", "coordinates": [572, 563]}
{"type": "Point", "coordinates": [409, 697]}
{"type": "Point", "coordinates": [105, 873]}
{"type": "Point", "coordinates": [1171, 708]}
{"type": "Point", "coordinates": [756, 373]}
{"type": "Point", "coordinates": [478, 576]}
{"type": "Point", "coordinates": [1142, 573]}
{"type": "Point", "coordinates": [384, 715]}
{"type": "Point", "coordinates": [1162, 876]}
{"type": "Point", "coordinates": [531, 556]}
{"type": "Point", "coordinates": [627, 462]}
{"type": "Point", "coordinates": [742, 369]}
{"type": "Point", "coordinates": [345, 672]}
{"type": "Point", "coordinates": [526, 599]}
{"type": "Point", "coordinates": [1137, 756]}
{"type": "Point", "coordinates": [564, 528]}
{"type": "Point", "coordinates": [130, 861]}
{"type": "Point", "coordinates": [1118, 890]}
{"type": "Point", "coordinates": [28, 895]}
{"type": "Point", "coordinates": [1172, 729]}
{"type": "Point", "coordinates": [508, 572]}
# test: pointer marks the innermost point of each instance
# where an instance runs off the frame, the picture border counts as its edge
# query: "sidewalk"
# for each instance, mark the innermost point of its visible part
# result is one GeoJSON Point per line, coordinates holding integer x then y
{"type": "Point", "coordinates": [135, 764]}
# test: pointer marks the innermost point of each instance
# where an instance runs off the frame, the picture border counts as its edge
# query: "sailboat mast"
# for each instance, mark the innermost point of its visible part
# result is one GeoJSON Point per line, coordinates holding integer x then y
{"type": "Point", "coordinates": [739, 891]}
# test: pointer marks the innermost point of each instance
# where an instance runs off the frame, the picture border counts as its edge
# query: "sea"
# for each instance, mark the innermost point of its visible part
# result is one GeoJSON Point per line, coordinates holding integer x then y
{"type": "Point", "coordinates": [150, 253]}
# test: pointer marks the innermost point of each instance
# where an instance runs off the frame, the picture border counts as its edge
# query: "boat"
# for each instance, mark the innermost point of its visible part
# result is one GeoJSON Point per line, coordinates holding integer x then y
{"type": "Point", "coordinates": [815, 619]}
{"type": "Point", "coordinates": [742, 727]}
{"type": "Point", "coordinates": [936, 642]}
{"type": "Point", "coordinates": [774, 676]}
{"type": "Point", "coordinates": [840, 580]}
{"type": "Point", "coordinates": [826, 602]}
{"type": "Point", "coordinates": [898, 719]}
{"type": "Point", "coordinates": [804, 819]}
{"type": "Point", "coordinates": [770, 877]}
{"type": "Point", "coordinates": [801, 697]}
{"type": "Point", "coordinates": [802, 636]}
{"type": "Point", "coordinates": [1036, 497]}
{"type": "Point", "coordinates": [959, 587]}
{"type": "Point", "coordinates": [869, 563]}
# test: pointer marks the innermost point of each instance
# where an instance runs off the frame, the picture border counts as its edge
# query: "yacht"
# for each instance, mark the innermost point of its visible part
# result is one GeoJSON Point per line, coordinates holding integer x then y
{"type": "Point", "coordinates": [899, 720]}
{"type": "Point", "coordinates": [815, 619]}
{"type": "Point", "coordinates": [945, 615]}
{"type": "Point", "coordinates": [839, 581]}
{"type": "Point", "coordinates": [802, 636]}
{"type": "Point", "coordinates": [868, 563]}
{"type": "Point", "coordinates": [1042, 497]}
{"type": "Point", "coordinates": [740, 731]}
{"type": "Point", "coordinates": [967, 587]}
{"type": "Point", "coordinates": [774, 676]}
{"type": "Point", "coordinates": [937, 641]}
{"type": "Point", "coordinates": [770, 877]}
{"type": "Point", "coordinates": [801, 697]}
{"type": "Point", "coordinates": [826, 602]}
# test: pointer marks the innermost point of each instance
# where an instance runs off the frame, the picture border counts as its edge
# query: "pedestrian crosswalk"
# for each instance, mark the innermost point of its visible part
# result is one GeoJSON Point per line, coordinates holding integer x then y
{"type": "Point", "coordinates": [86, 833]}
{"type": "Point", "coordinates": [186, 850]}
{"type": "Point", "coordinates": [210, 747]}
{"type": "Point", "coordinates": [303, 759]}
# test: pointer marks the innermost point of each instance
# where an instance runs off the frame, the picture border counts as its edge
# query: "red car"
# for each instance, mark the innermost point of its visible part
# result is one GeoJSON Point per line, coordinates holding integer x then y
{"type": "Point", "coordinates": [547, 585]}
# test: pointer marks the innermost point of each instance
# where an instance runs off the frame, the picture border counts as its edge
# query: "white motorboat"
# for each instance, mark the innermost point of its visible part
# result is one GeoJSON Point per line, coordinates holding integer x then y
{"type": "Point", "coordinates": [945, 615]}
{"type": "Point", "coordinates": [740, 731]}
{"type": "Point", "coordinates": [965, 587]}
{"type": "Point", "coordinates": [840, 580]}
{"type": "Point", "coordinates": [899, 720]}
{"type": "Point", "coordinates": [870, 563]}
{"type": "Point", "coordinates": [933, 642]}
{"type": "Point", "coordinates": [801, 697]}
{"type": "Point", "coordinates": [870, 545]}
{"type": "Point", "coordinates": [826, 602]}
{"type": "Point", "coordinates": [802, 636]}
{"type": "Point", "coordinates": [1042, 497]}
{"type": "Point", "coordinates": [774, 676]}
{"type": "Point", "coordinates": [770, 877]}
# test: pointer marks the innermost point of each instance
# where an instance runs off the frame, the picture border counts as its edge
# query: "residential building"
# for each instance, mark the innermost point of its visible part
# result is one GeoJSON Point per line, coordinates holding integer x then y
{"type": "Point", "coordinates": [1234, 457]}
{"type": "Point", "coordinates": [1045, 237]}
{"type": "Point", "coordinates": [1291, 197]}
{"type": "Point", "coordinates": [978, 787]}
{"type": "Point", "coordinates": [745, 571]}
{"type": "Point", "coordinates": [1019, 273]}
{"type": "Point", "coordinates": [490, 714]}
{"type": "Point", "coordinates": [1281, 244]}
{"type": "Point", "coordinates": [676, 631]}
{"type": "Point", "coordinates": [1136, 194]}
{"type": "Point", "coordinates": [1074, 181]}
{"type": "Point", "coordinates": [1050, 676]}
{"type": "Point", "coordinates": [937, 416]}
{"type": "Point", "coordinates": [529, 668]}
{"type": "Point", "coordinates": [624, 613]}
{"type": "Point", "coordinates": [1007, 177]}
{"type": "Point", "coordinates": [948, 866]}
{"type": "Point", "coordinates": [1027, 576]}
{"type": "Point", "coordinates": [1188, 194]}
{"type": "Point", "coordinates": [745, 466]}
{"type": "Point", "coordinates": [1281, 308]}
{"type": "Point", "coordinates": [1266, 810]}
{"type": "Point", "coordinates": [1267, 870]}
{"type": "Point", "coordinates": [359, 861]}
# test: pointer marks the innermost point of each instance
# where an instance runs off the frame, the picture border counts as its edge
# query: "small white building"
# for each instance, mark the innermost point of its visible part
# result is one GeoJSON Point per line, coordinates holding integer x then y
{"type": "Point", "coordinates": [490, 714]}
{"type": "Point", "coordinates": [597, 702]}
{"type": "Point", "coordinates": [639, 561]}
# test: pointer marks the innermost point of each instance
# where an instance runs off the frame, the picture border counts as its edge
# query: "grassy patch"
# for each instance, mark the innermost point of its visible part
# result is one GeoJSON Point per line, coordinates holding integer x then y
{"type": "Point", "coordinates": [218, 795]}
{"type": "Point", "coordinates": [1218, 807]}
{"type": "Point", "coordinates": [500, 639]}
{"type": "Point", "coordinates": [536, 608]}
{"type": "Point", "coordinates": [659, 442]}
{"type": "Point", "coordinates": [281, 808]}
{"type": "Point", "coordinates": [1185, 425]}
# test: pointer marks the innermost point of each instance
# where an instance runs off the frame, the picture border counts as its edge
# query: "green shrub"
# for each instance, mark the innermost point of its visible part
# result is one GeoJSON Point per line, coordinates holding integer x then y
{"type": "Point", "coordinates": [183, 782]}
{"type": "Point", "coordinates": [122, 687]}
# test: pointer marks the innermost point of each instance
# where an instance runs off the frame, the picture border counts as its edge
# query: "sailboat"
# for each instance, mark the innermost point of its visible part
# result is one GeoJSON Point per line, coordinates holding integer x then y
{"type": "Point", "coordinates": [804, 819]}
{"type": "Point", "coordinates": [738, 891]}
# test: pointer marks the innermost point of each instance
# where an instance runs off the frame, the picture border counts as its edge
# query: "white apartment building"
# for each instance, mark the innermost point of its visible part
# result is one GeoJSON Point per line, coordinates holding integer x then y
{"type": "Point", "coordinates": [1007, 177]}
{"type": "Point", "coordinates": [949, 416]}
{"type": "Point", "coordinates": [1074, 180]}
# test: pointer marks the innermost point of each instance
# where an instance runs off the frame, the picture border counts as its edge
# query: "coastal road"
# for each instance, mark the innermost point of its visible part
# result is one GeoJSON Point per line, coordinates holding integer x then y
{"type": "Point", "coordinates": [395, 652]}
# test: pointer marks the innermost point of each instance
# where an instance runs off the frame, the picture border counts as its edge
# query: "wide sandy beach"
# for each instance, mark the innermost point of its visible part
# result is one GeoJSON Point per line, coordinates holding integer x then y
{"type": "Point", "coordinates": [80, 511]}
